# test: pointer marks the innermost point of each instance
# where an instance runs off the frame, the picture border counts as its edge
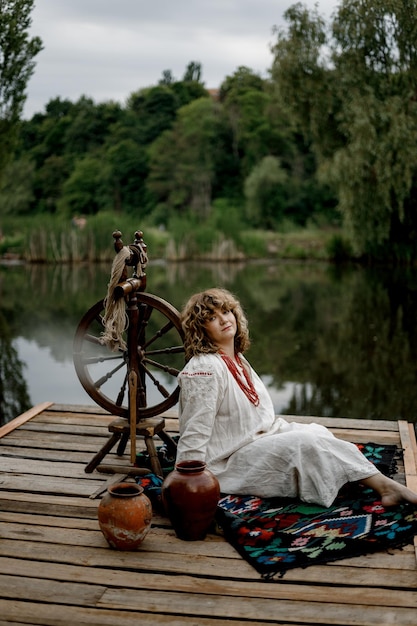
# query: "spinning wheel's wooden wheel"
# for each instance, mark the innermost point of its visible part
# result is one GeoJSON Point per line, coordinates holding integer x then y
{"type": "Point", "coordinates": [159, 357]}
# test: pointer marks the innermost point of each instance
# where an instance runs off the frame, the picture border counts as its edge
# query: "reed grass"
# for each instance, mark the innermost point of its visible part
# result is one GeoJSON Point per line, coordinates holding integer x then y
{"type": "Point", "coordinates": [52, 239]}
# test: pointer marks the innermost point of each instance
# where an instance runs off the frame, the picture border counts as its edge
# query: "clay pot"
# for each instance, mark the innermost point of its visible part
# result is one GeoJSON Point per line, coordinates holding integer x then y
{"type": "Point", "coordinates": [190, 494]}
{"type": "Point", "coordinates": [124, 516]}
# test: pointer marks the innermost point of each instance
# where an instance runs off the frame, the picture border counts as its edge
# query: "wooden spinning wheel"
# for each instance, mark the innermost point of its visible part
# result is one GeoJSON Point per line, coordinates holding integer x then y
{"type": "Point", "coordinates": [134, 377]}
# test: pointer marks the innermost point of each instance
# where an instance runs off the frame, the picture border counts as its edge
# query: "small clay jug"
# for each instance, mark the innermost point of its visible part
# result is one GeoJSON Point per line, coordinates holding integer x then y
{"type": "Point", "coordinates": [125, 515]}
{"type": "Point", "coordinates": [190, 494]}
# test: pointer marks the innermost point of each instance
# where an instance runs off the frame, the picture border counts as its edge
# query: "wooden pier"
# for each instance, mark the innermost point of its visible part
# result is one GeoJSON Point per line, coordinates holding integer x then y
{"type": "Point", "coordinates": [57, 569]}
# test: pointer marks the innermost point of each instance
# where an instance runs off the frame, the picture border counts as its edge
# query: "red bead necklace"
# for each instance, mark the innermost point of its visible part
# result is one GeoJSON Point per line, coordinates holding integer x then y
{"type": "Point", "coordinates": [248, 389]}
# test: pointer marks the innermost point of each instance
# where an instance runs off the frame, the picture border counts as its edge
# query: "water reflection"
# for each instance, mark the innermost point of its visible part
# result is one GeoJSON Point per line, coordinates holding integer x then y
{"type": "Point", "coordinates": [14, 397]}
{"type": "Point", "coordinates": [326, 342]}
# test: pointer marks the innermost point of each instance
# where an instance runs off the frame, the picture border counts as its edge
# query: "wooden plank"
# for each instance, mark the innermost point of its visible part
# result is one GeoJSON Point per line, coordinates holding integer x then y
{"type": "Point", "coordinates": [56, 507]}
{"type": "Point", "coordinates": [3, 623]}
{"type": "Point", "coordinates": [52, 614]}
{"type": "Point", "coordinates": [171, 422]}
{"type": "Point", "coordinates": [239, 570]}
{"type": "Point", "coordinates": [94, 413]}
{"type": "Point", "coordinates": [409, 446]}
{"type": "Point", "coordinates": [250, 608]}
{"type": "Point", "coordinates": [48, 454]}
{"type": "Point", "coordinates": [56, 529]}
{"type": "Point", "coordinates": [234, 568]}
{"type": "Point", "coordinates": [364, 436]}
{"type": "Point", "coordinates": [41, 503]}
{"type": "Point", "coordinates": [189, 584]}
{"type": "Point", "coordinates": [386, 567]}
{"type": "Point", "coordinates": [70, 429]}
{"type": "Point", "coordinates": [23, 418]}
{"type": "Point", "coordinates": [198, 601]}
{"type": "Point", "coordinates": [44, 590]}
{"type": "Point", "coordinates": [29, 519]}
{"type": "Point", "coordinates": [75, 418]}
{"type": "Point", "coordinates": [63, 457]}
{"type": "Point", "coordinates": [66, 441]}
{"type": "Point", "coordinates": [141, 560]}
{"type": "Point", "coordinates": [58, 435]}
{"type": "Point", "coordinates": [48, 484]}
{"type": "Point", "coordinates": [342, 422]}
{"type": "Point", "coordinates": [78, 408]}
{"type": "Point", "coordinates": [242, 597]}
{"type": "Point", "coordinates": [48, 518]}
{"type": "Point", "coordinates": [92, 537]}
{"type": "Point", "coordinates": [41, 467]}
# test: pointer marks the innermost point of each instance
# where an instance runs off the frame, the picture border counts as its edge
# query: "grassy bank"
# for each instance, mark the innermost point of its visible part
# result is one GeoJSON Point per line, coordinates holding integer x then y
{"type": "Point", "coordinates": [53, 240]}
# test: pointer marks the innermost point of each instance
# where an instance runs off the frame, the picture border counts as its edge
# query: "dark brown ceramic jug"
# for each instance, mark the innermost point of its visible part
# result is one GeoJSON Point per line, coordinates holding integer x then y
{"type": "Point", "coordinates": [190, 494]}
{"type": "Point", "coordinates": [125, 515]}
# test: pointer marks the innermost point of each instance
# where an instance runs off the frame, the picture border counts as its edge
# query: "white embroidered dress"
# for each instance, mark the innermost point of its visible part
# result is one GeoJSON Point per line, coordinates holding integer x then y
{"type": "Point", "coordinates": [252, 451]}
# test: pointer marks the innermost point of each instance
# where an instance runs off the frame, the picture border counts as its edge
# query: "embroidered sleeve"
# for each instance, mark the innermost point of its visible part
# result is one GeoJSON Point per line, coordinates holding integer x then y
{"type": "Point", "coordinates": [199, 398]}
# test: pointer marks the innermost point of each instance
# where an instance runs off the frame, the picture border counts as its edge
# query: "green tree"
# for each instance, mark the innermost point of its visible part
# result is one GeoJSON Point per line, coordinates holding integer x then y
{"type": "Point", "coordinates": [61, 137]}
{"type": "Point", "coordinates": [350, 88]}
{"type": "Point", "coordinates": [188, 90]}
{"type": "Point", "coordinates": [261, 132]}
{"type": "Point", "coordinates": [90, 125]}
{"type": "Point", "coordinates": [240, 108]}
{"type": "Point", "coordinates": [242, 80]}
{"type": "Point", "coordinates": [16, 187]}
{"type": "Point", "coordinates": [183, 160]}
{"type": "Point", "coordinates": [17, 51]}
{"type": "Point", "coordinates": [167, 78]}
{"type": "Point", "coordinates": [45, 134]}
{"type": "Point", "coordinates": [193, 72]}
{"type": "Point", "coordinates": [128, 172]}
{"type": "Point", "coordinates": [245, 105]}
{"type": "Point", "coordinates": [49, 181]}
{"type": "Point", "coordinates": [155, 109]}
{"type": "Point", "coordinates": [266, 193]}
{"type": "Point", "coordinates": [86, 191]}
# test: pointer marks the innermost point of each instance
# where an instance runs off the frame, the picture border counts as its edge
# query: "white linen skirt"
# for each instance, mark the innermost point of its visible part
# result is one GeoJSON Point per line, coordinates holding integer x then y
{"type": "Point", "coordinates": [301, 460]}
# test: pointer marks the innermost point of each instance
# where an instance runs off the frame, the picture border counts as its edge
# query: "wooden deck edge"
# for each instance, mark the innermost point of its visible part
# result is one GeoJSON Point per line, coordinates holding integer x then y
{"type": "Point", "coordinates": [409, 446]}
{"type": "Point", "coordinates": [24, 417]}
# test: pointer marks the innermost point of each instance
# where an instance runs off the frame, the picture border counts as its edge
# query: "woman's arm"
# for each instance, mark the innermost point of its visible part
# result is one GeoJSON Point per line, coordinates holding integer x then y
{"type": "Point", "coordinates": [199, 399]}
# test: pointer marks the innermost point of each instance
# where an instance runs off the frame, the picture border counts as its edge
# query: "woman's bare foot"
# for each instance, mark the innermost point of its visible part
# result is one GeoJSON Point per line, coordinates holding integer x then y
{"type": "Point", "coordinates": [391, 492]}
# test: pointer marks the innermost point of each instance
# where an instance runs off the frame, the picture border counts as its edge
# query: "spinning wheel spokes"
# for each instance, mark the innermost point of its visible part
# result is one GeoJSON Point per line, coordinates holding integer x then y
{"type": "Point", "coordinates": [106, 381]}
{"type": "Point", "coordinates": [103, 379]}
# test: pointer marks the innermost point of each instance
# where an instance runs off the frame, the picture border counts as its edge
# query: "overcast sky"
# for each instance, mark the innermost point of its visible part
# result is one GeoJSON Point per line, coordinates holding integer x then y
{"type": "Point", "coordinates": [107, 49]}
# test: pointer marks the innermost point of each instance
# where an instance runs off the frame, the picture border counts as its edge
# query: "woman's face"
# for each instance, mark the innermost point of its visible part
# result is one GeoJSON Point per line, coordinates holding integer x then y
{"type": "Point", "coordinates": [221, 328]}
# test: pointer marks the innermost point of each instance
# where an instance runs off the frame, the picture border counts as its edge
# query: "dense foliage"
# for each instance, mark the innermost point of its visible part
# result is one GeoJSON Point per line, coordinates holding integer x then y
{"type": "Point", "coordinates": [170, 153]}
{"type": "Point", "coordinates": [330, 135]}
{"type": "Point", "coordinates": [351, 87]}
{"type": "Point", "coordinates": [17, 51]}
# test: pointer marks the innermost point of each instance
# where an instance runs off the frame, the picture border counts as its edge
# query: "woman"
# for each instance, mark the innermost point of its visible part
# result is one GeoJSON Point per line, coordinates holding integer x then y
{"type": "Point", "coordinates": [227, 419]}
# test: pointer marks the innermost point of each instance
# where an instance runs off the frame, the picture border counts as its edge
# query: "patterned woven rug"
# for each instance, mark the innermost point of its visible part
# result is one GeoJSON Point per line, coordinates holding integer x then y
{"type": "Point", "coordinates": [277, 534]}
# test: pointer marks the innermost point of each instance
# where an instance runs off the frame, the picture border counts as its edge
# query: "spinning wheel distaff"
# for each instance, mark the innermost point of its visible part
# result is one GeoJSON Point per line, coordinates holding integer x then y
{"type": "Point", "coordinates": [128, 347]}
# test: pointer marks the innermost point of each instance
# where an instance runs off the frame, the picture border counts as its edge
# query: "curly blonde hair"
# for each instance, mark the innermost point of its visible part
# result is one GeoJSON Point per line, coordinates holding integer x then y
{"type": "Point", "coordinates": [198, 309]}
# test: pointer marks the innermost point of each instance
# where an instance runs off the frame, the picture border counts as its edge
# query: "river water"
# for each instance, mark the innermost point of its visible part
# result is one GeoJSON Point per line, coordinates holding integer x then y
{"type": "Point", "coordinates": [327, 341]}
